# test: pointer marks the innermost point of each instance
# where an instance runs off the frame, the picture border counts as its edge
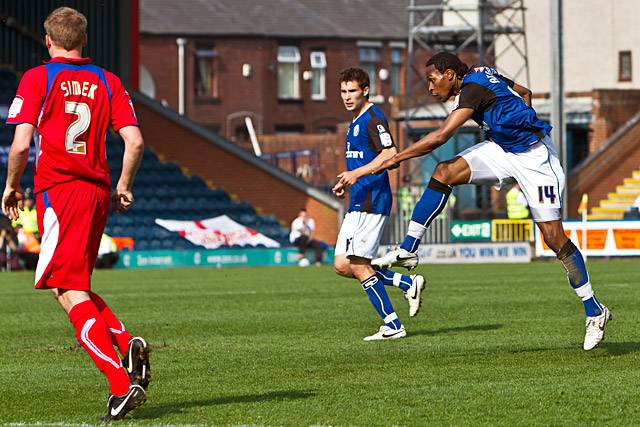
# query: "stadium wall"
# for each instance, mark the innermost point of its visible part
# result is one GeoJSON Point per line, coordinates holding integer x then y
{"type": "Point", "coordinates": [222, 164]}
{"type": "Point", "coordinates": [611, 110]}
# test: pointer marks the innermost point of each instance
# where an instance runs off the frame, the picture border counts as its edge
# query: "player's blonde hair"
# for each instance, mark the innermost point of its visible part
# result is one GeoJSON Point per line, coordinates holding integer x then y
{"type": "Point", "coordinates": [66, 27]}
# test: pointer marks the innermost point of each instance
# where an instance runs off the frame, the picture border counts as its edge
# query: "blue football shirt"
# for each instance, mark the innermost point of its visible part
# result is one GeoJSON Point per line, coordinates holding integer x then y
{"type": "Point", "coordinates": [368, 135]}
{"type": "Point", "coordinates": [499, 110]}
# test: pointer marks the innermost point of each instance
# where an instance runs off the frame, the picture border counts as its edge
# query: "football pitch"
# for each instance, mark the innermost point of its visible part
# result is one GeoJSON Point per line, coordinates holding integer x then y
{"type": "Point", "coordinates": [493, 345]}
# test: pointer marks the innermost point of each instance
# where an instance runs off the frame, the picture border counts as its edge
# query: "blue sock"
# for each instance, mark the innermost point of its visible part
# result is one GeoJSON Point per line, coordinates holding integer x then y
{"type": "Point", "coordinates": [431, 203]}
{"type": "Point", "coordinates": [380, 300]}
{"type": "Point", "coordinates": [391, 278]}
{"type": "Point", "coordinates": [573, 263]}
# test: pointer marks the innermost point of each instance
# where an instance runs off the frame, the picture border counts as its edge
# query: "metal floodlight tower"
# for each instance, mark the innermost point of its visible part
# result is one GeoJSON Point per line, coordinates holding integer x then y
{"type": "Point", "coordinates": [493, 29]}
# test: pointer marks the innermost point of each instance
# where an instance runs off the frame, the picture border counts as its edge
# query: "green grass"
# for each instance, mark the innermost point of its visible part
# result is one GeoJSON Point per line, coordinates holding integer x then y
{"type": "Point", "coordinates": [493, 345]}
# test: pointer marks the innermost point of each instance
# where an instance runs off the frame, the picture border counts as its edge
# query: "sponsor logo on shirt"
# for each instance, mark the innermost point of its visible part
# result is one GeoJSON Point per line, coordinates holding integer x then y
{"type": "Point", "coordinates": [355, 155]}
{"type": "Point", "coordinates": [15, 108]}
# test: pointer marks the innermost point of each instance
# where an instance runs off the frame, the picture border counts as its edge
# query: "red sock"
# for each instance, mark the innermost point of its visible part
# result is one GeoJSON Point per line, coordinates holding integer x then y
{"type": "Point", "coordinates": [119, 334]}
{"type": "Point", "coordinates": [92, 334]}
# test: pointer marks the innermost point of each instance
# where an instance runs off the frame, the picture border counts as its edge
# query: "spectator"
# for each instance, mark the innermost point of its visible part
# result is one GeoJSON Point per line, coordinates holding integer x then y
{"type": "Point", "coordinates": [28, 217]}
{"type": "Point", "coordinates": [302, 229]}
{"type": "Point", "coordinates": [9, 259]}
{"type": "Point", "coordinates": [517, 207]}
{"type": "Point", "coordinates": [28, 247]}
{"type": "Point", "coordinates": [107, 253]}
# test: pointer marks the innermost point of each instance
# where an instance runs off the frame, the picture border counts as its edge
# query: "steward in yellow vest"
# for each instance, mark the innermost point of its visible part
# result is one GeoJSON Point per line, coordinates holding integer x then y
{"type": "Point", "coordinates": [517, 207]}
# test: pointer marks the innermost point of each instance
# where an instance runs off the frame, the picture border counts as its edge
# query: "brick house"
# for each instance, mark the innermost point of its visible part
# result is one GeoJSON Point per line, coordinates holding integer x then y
{"type": "Point", "coordinates": [276, 62]}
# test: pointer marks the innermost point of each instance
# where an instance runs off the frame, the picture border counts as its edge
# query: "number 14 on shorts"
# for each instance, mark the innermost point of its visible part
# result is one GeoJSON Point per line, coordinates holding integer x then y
{"type": "Point", "coordinates": [548, 192]}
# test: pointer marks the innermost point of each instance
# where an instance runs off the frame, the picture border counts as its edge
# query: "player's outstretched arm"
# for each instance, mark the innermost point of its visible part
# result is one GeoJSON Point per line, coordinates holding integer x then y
{"type": "Point", "coordinates": [133, 149]}
{"type": "Point", "coordinates": [18, 157]}
{"type": "Point", "coordinates": [432, 141]}
{"type": "Point", "coordinates": [348, 178]}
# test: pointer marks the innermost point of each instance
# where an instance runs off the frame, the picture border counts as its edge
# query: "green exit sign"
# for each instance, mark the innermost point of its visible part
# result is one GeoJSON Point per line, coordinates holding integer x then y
{"type": "Point", "coordinates": [470, 230]}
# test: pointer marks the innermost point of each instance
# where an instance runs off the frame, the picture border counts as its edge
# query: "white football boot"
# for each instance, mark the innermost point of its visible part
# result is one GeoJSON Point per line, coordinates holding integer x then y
{"type": "Point", "coordinates": [414, 294]}
{"type": "Point", "coordinates": [595, 329]}
{"type": "Point", "coordinates": [387, 333]}
{"type": "Point", "coordinates": [397, 258]}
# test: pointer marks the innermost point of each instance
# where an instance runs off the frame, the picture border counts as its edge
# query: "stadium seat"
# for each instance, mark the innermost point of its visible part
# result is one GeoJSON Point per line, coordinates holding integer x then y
{"type": "Point", "coordinates": [161, 191]}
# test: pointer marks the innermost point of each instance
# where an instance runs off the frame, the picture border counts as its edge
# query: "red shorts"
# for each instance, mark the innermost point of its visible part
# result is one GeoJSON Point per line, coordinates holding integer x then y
{"type": "Point", "coordinates": [71, 220]}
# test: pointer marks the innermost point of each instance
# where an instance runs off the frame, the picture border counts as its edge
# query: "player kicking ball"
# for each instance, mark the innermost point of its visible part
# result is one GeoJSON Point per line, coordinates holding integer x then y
{"type": "Point", "coordinates": [71, 103]}
{"type": "Point", "coordinates": [518, 148]}
{"type": "Point", "coordinates": [368, 146]}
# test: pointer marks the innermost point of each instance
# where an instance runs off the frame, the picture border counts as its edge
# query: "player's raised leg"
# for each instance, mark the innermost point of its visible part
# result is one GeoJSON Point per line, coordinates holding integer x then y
{"type": "Point", "coordinates": [412, 286]}
{"type": "Point", "coordinates": [119, 333]}
{"type": "Point", "coordinates": [571, 258]}
{"type": "Point", "coordinates": [447, 174]}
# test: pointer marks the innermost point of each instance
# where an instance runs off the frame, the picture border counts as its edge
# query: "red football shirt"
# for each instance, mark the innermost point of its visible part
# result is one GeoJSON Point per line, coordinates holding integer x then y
{"type": "Point", "coordinates": [71, 102]}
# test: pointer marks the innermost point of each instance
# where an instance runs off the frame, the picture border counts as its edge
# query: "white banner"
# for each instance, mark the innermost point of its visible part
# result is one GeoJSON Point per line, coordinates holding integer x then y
{"type": "Point", "coordinates": [471, 253]}
{"type": "Point", "coordinates": [219, 231]}
{"type": "Point", "coordinates": [604, 238]}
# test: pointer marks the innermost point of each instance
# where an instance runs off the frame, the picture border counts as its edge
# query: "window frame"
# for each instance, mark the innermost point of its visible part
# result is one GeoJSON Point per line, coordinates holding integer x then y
{"type": "Point", "coordinates": [201, 53]}
{"type": "Point", "coordinates": [282, 59]}
{"type": "Point", "coordinates": [623, 56]}
{"type": "Point", "coordinates": [369, 56]}
{"type": "Point", "coordinates": [396, 71]}
{"type": "Point", "coordinates": [319, 71]}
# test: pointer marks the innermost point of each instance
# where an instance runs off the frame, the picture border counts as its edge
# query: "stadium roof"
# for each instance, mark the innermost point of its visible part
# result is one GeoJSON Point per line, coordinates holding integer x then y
{"type": "Point", "coordinates": [353, 19]}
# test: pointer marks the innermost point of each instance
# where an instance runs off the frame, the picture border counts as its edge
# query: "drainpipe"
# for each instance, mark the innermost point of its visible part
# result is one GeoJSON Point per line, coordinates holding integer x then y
{"type": "Point", "coordinates": [181, 42]}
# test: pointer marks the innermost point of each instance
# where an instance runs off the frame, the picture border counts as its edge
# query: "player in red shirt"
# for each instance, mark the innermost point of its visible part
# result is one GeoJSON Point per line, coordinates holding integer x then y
{"type": "Point", "coordinates": [68, 104]}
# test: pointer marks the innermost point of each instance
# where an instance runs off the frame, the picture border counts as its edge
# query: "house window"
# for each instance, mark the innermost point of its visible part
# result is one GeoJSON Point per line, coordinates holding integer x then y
{"type": "Point", "coordinates": [396, 70]}
{"type": "Point", "coordinates": [288, 70]}
{"type": "Point", "coordinates": [318, 68]}
{"type": "Point", "coordinates": [206, 84]}
{"type": "Point", "coordinates": [369, 59]}
{"type": "Point", "coordinates": [624, 66]}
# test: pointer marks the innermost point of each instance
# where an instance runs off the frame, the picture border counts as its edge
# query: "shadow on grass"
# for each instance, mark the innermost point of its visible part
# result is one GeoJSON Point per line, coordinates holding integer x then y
{"type": "Point", "coordinates": [457, 329]}
{"type": "Point", "coordinates": [620, 348]}
{"type": "Point", "coordinates": [150, 412]}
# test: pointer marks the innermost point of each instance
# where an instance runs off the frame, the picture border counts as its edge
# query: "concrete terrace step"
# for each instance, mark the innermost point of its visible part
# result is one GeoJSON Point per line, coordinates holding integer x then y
{"type": "Point", "coordinates": [617, 204]}
{"type": "Point", "coordinates": [605, 216]}
{"type": "Point", "coordinates": [623, 197]}
{"type": "Point", "coordinates": [608, 210]}
{"type": "Point", "coordinates": [632, 182]}
{"type": "Point", "coordinates": [635, 175]}
{"type": "Point", "coordinates": [627, 190]}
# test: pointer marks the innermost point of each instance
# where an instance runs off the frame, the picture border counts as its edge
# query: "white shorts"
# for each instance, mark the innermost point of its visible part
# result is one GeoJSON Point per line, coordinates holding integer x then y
{"type": "Point", "coordinates": [538, 171]}
{"type": "Point", "coordinates": [360, 235]}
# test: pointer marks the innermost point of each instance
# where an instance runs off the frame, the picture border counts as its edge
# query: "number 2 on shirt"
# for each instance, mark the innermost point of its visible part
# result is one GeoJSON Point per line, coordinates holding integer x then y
{"type": "Point", "coordinates": [78, 127]}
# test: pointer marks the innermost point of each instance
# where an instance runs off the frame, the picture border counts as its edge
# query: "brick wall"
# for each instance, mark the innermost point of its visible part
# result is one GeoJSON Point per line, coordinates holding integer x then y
{"type": "Point", "coordinates": [328, 162]}
{"type": "Point", "coordinates": [256, 94]}
{"type": "Point", "coordinates": [611, 109]}
{"type": "Point", "coordinates": [221, 168]}
{"type": "Point", "coordinates": [330, 149]}
{"type": "Point", "coordinates": [601, 173]}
